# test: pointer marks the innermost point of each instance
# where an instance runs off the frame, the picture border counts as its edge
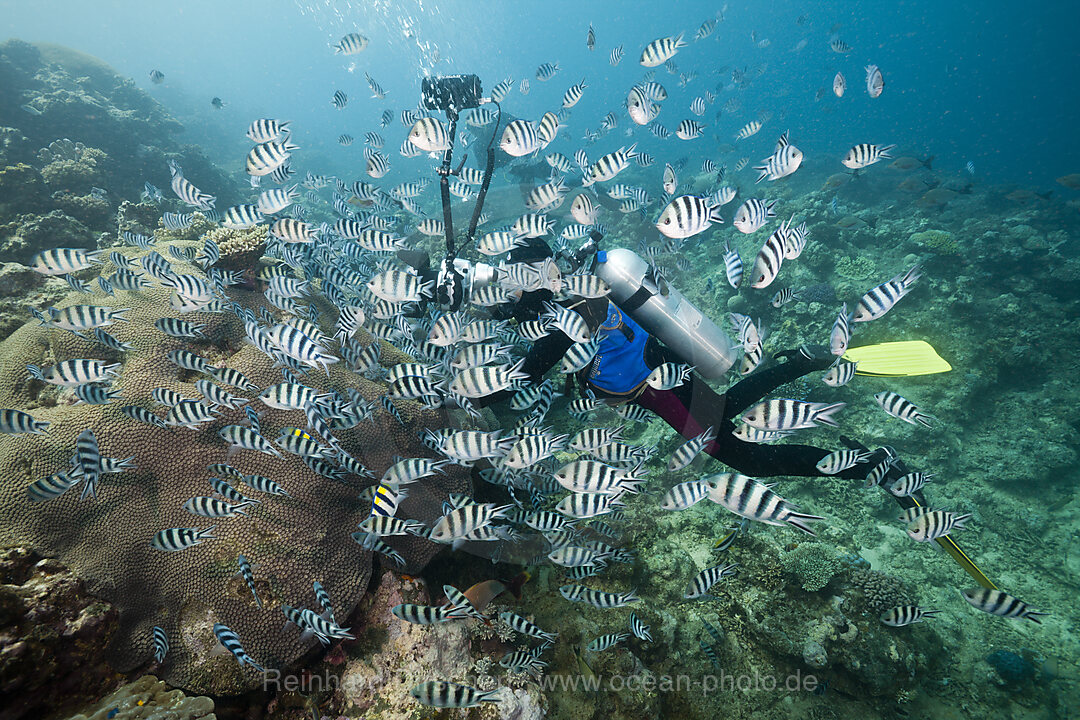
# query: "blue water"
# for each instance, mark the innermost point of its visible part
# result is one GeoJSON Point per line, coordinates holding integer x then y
{"type": "Point", "coordinates": [989, 82]}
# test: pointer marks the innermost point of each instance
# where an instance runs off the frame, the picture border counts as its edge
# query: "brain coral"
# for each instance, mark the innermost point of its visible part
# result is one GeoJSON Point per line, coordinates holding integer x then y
{"type": "Point", "coordinates": [291, 541]}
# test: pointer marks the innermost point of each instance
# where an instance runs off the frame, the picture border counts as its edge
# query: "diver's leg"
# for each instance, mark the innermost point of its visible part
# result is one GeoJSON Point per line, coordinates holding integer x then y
{"type": "Point", "coordinates": [694, 406]}
{"type": "Point", "coordinates": [760, 460]}
{"type": "Point", "coordinates": [758, 384]}
{"type": "Point", "coordinates": [689, 408]}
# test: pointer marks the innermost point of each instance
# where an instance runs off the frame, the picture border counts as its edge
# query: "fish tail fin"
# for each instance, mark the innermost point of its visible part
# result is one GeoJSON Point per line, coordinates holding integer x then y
{"type": "Point", "coordinates": [824, 414]}
{"type": "Point", "coordinates": [801, 520]}
{"type": "Point", "coordinates": [928, 162]}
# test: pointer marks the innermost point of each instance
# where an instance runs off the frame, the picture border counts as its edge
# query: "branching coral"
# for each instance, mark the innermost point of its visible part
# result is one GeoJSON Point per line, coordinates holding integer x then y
{"type": "Point", "coordinates": [856, 269]}
{"type": "Point", "coordinates": [813, 564]}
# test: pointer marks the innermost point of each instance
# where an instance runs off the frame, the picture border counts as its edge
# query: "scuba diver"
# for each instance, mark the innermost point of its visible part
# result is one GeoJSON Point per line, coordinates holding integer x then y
{"type": "Point", "coordinates": [628, 353]}
{"type": "Point", "coordinates": [642, 323]}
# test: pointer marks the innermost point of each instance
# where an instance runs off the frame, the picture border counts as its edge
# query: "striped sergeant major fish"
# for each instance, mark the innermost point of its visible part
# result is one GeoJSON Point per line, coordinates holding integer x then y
{"type": "Point", "coordinates": [267, 157]}
{"type": "Point", "coordinates": [785, 161]}
{"type": "Point", "coordinates": [616, 55]}
{"type": "Point", "coordinates": [323, 598]}
{"type": "Point", "coordinates": [598, 598]}
{"type": "Point", "coordinates": [17, 422]}
{"type": "Point", "coordinates": [376, 90]}
{"type": "Point", "coordinates": [688, 451]}
{"type": "Point", "coordinates": [211, 507]}
{"type": "Point", "coordinates": [881, 299]}
{"type": "Point", "coordinates": [689, 130]}
{"type": "Point", "coordinates": [606, 641]}
{"type": "Point", "coordinates": [747, 130]}
{"type": "Point", "coordinates": [996, 602]}
{"type": "Point", "coordinates": [177, 221]}
{"type": "Point", "coordinates": [902, 615]}
{"type": "Point", "coordinates": [423, 614]}
{"type": "Point", "coordinates": [177, 539]}
{"type": "Point", "coordinates": [546, 71]}
{"type": "Point", "coordinates": [61, 261]}
{"type": "Point", "coordinates": [753, 214]}
{"type": "Point", "coordinates": [840, 336]}
{"type": "Point", "coordinates": [266, 130]}
{"type": "Point", "coordinates": [187, 192]}
{"type": "Point", "coordinates": [733, 266]}
{"type": "Point", "coordinates": [685, 495]}
{"type": "Point", "coordinates": [160, 643]}
{"type": "Point", "coordinates": [71, 373]}
{"type": "Point", "coordinates": [750, 499]}
{"type": "Point", "coordinates": [610, 165]}
{"type": "Point", "coordinates": [520, 138]}
{"type": "Point", "coordinates": [351, 44]}
{"type": "Point", "coordinates": [788, 414]}
{"type": "Point", "coordinates": [687, 215]}
{"type": "Point", "coordinates": [935, 524]}
{"type": "Point", "coordinates": [429, 135]}
{"type": "Point", "coordinates": [264, 484]}
{"type": "Point", "coordinates": [443, 694]}
{"type": "Point", "coordinates": [573, 94]}
{"type": "Point", "coordinates": [840, 460]}
{"type": "Point", "coordinates": [498, 93]}
{"type": "Point", "coordinates": [902, 408]}
{"type": "Point", "coordinates": [241, 217]}
{"type": "Point", "coordinates": [661, 50]}
{"type": "Point", "coordinates": [639, 628]}
{"type": "Point", "coordinates": [372, 542]}
{"type": "Point", "coordinates": [875, 81]}
{"type": "Point", "coordinates": [249, 578]}
{"type": "Point", "coordinates": [529, 629]}
{"type": "Point", "coordinates": [701, 584]}
{"type": "Point", "coordinates": [94, 394]}
{"type": "Point", "coordinates": [339, 99]}
{"type": "Point", "coordinates": [376, 164]}
{"type": "Point", "coordinates": [231, 642]}
{"type": "Point", "coordinates": [465, 520]}
{"type": "Point", "coordinates": [866, 154]}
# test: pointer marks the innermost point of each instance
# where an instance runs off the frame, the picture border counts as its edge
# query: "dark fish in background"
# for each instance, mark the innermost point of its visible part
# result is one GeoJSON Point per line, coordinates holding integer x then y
{"type": "Point", "coordinates": [217, 103]}
{"type": "Point", "coordinates": [157, 77]}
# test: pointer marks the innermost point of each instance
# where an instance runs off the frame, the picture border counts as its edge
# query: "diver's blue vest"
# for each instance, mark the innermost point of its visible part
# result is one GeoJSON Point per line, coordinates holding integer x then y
{"type": "Point", "coordinates": [619, 366]}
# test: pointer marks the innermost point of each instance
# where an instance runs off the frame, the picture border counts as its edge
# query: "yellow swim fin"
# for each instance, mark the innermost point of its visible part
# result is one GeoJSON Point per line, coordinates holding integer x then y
{"type": "Point", "coordinates": [896, 359]}
{"type": "Point", "coordinates": [949, 545]}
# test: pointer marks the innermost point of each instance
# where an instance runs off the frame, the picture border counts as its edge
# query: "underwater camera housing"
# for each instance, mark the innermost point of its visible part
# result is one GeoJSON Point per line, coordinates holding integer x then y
{"type": "Point", "coordinates": [451, 93]}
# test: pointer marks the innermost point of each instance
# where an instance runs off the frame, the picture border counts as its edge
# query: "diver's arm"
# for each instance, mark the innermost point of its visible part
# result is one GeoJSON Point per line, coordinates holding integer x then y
{"type": "Point", "coordinates": [760, 383]}
{"type": "Point", "coordinates": [550, 349]}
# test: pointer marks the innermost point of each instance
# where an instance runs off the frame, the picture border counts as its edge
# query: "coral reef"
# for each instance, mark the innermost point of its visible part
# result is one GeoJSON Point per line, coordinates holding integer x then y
{"type": "Point", "coordinates": [293, 540]}
{"type": "Point", "coordinates": [29, 234]}
{"type": "Point", "coordinates": [880, 591]}
{"type": "Point", "coordinates": [21, 189]}
{"type": "Point", "coordinates": [53, 636]}
{"type": "Point", "coordinates": [939, 242]}
{"type": "Point", "coordinates": [73, 167]}
{"type": "Point", "coordinates": [239, 248]}
{"type": "Point", "coordinates": [858, 268]}
{"type": "Point", "coordinates": [146, 699]}
{"type": "Point", "coordinates": [812, 564]}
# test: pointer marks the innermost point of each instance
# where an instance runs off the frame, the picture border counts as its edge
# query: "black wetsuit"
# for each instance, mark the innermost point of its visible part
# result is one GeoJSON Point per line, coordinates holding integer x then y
{"type": "Point", "coordinates": [694, 406]}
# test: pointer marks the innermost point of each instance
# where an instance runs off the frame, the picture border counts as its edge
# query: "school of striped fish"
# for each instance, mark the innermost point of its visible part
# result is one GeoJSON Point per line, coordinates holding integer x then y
{"type": "Point", "coordinates": [561, 490]}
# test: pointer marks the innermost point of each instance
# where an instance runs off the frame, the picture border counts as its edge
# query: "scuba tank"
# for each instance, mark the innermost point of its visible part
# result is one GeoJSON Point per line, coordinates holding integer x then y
{"type": "Point", "coordinates": [665, 313]}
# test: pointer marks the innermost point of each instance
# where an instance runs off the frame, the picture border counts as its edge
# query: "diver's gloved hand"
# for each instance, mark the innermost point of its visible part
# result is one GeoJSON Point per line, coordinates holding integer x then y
{"type": "Point", "coordinates": [817, 357]}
